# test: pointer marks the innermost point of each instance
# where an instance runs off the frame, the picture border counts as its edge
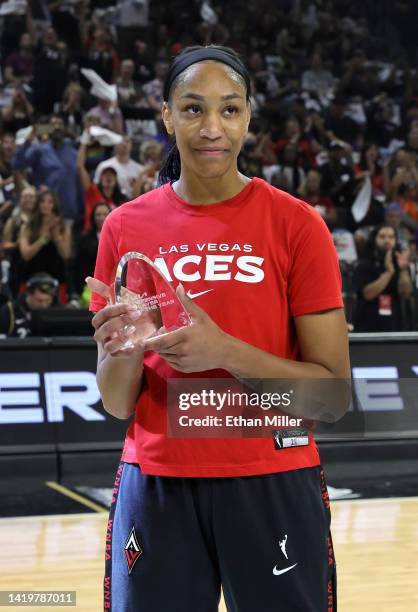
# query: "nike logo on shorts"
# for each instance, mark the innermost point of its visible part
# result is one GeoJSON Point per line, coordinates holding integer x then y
{"type": "Point", "coordinates": [277, 572]}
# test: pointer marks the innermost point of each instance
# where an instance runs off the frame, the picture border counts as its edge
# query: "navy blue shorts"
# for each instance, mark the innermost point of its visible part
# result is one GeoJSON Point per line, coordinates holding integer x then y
{"type": "Point", "coordinates": [172, 542]}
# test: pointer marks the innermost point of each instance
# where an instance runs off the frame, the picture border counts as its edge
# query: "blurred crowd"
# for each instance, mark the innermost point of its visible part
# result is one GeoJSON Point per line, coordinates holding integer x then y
{"type": "Point", "coordinates": [334, 122]}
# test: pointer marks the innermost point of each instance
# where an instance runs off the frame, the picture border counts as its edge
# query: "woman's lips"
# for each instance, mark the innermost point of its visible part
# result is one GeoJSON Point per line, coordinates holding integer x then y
{"type": "Point", "coordinates": [212, 152]}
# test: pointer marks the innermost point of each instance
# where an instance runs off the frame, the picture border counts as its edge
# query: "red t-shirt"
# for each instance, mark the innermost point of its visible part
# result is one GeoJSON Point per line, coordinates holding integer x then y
{"type": "Point", "coordinates": [266, 257]}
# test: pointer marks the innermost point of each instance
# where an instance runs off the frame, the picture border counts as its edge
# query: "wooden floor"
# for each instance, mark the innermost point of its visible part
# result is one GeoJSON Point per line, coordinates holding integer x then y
{"type": "Point", "coordinates": [376, 544]}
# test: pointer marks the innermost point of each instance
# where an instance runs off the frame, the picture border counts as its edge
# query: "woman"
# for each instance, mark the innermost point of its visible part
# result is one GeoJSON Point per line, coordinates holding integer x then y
{"type": "Point", "coordinates": [371, 166]}
{"type": "Point", "coordinates": [310, 191]}
{"type": "Point", "coordinates": [399, 170]}
{"type": "Point", "coordinates": [13, 226]}
{"type": "Point", "coordinates": [107, 190]}
{"type": "Point", "coordinates": [266, 304]}
{"type": "Point", "coordinates": [289, 175]}
{"type": "Point", "coordinates": [381, 280]}
{"type": "Point", "coordinates": [101, 55]}
{"type": "Point", "coordinates": [45, 242]}
{"type": "Point", "coordinates": [293, 135]}
{"type": "Point", "coordinates": [86, 251]}
{"type": "Point", "coordinates": [94, 153]}
{"type": "Point", "coordinates": [150, 156]}
{"type": "Point", "coordinates": [72, 108]}
{"type": "Point", "coordinates": [10, 179]}
{"type": "Point", "coordinates": [19, 113]}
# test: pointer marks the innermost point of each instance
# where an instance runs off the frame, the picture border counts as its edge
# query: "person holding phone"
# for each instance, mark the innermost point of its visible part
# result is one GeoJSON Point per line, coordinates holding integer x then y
{"type": "Point", "coordinates": [53, 162]}
{"type": "Point", "coordinates": [264, 295]}
{"type": "Point", "coordinates": [381, 280]}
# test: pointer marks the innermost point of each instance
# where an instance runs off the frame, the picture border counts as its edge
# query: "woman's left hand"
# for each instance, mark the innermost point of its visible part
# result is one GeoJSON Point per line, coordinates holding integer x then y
{"type": "Point", "coordinates": [55, 229]}
{"type": "Point", "coordinates": [199, 347]}
{"type": "Point", "coordinates": [402, 259]}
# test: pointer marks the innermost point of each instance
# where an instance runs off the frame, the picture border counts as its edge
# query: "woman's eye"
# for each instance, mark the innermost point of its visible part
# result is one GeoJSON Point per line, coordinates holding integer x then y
{"type": "Point", "coordinates": [192, 109]}
{"type": "Point", "coordinates": [231, 110]}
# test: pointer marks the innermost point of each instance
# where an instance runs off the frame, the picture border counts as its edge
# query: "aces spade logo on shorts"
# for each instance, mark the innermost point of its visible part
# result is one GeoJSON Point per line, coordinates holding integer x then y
{"type": "Point", "coordinates": [132, 550]}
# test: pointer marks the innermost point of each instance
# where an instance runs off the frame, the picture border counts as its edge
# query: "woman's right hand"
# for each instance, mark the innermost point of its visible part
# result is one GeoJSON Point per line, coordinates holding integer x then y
{"type": "Point", "coordinates": [114, 324]}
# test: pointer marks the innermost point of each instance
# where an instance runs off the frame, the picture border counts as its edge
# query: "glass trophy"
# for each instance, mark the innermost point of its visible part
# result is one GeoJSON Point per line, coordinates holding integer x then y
{"type": "Point", "coordinates": [140, 284]}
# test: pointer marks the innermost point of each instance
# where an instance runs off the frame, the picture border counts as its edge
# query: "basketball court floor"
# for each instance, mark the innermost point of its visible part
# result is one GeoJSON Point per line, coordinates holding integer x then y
{"type": "Point", "coordinates": [376, 544]}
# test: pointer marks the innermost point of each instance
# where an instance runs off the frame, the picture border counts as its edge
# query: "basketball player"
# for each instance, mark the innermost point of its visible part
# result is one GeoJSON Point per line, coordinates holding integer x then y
{"type": "Point", "coordinates": [264, 295]}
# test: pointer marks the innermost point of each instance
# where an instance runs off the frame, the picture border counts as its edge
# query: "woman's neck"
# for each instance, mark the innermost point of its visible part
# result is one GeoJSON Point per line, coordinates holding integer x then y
{"type": "Point", "coordinates": [209, 191]}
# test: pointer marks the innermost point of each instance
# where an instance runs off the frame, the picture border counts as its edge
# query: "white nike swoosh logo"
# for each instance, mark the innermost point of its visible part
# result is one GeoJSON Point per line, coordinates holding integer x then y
{"type": "Point", "coordinates": [277, 572]}
{"type": "Point", "coordinates": [195, 295]}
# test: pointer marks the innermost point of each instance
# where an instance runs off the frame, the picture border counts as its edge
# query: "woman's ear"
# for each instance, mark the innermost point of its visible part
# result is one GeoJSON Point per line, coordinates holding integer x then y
{"type": "Point", "coordinates": [167, 119]}
{"type": "Point", "coordinates": [248, 113]}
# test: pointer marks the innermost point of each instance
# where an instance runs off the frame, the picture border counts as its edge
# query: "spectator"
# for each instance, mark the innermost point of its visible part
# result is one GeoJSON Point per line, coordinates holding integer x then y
{"type": "Point", "coordinates": [293, 135]}
{"type": "Point", "coordinates": [72, 109]}
{"type": "Point", "coordinates": [371, 166]}
{"type": "Point", "coordinates": [153, 90]}
{"type": "Point", "coordinates": [412, 146]}
{"type": "Point", "coordinates": [106, 191]}
{"type": "Point", "coordinates": [132, 21]}
{"type": "Point", "coordinates": [19, 65]}
{"type": "Point", "coordinates": [317, 80]}
{"type": "Point", "coordinates": [393, 218]}
{"type": "Point", "coordinates": [382, 122]}
{"type": "Point", "coordinates": [10, 181]}
{"type": "Point", "coordinates": [108, 115]}
{"type": "Point", "coordinates": [316, 133]}
{"type": "Point", "coordinates": [151, 153]}
{"type": "Point", "coordinates": [339, 124]}
{"type": "Point", "coordinates": [249, 160]}
{"type": "Point", "coordinates": [16, 315]}
{"type": "Point", "coordinates": [5, 292]}
{"type": "Point", "coordinates": [359, 79]}
{"type": "Point", "coordinates": [101, 55]}
{"type": "Point", "coordinates": [407, 196]}
{"type": "Point", "coordinates": [400, 170]}
{"type": "Point", "coordinates": [151, 156]}
{"type": "Point", "coordinates": [128, 91]}
{"type": "Point", "coordinates": [45, 242]}
{"type": "Point", "coordinates": [337, 179]}
{"type": "Point", "coordinates": [381, 279]}
{"type": "Point", "coordinates": [144, 65]}
{"type": "Point", "coordinates": [19, 113]}
{"type": "Point", "coordinates": [289, 175]}
{"type": "Point", "coordinates": [54, 164]}
{"type": "Point", "coordinates": [126, 168]}
{"type": "Point", "coordinates": [20, 218]}
{"type": "Point", "coordinates": [65, 21]}
{"type": "Point", "coordinates": [51, 64]}
{"type": "Point", "coordinates": [95, 152]}
{"type": "Point", "coordinates": [85, 256]}
{"type": "Point", "coordinates": [310, 192]}
{"type": "Point", "coordinates": [14, 24]}
{"type": "Point", "coordinates": [265, 80]}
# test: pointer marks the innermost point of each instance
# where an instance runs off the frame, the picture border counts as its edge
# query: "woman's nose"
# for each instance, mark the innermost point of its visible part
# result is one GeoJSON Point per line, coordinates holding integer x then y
{"type": "Point", "coordinates": [211, 126]}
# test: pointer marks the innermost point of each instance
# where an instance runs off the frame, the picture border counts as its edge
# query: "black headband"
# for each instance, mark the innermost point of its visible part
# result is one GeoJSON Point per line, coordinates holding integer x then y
{"type": "Point", "coordinates": [198, 56]}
